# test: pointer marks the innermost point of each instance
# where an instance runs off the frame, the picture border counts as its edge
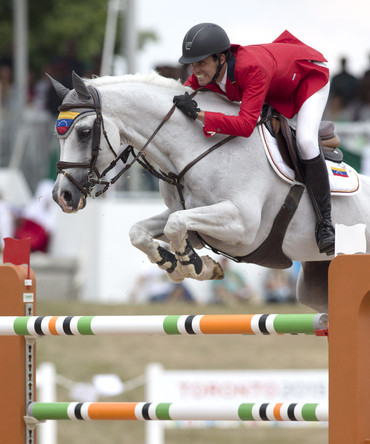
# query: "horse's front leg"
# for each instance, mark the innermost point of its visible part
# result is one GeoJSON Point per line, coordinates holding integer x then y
{"type": "Point", "coordinates": [190, 264]}
{"type": "Point", "coordinates": [220, 221]}
{"type": "Point", "coordinates": [142, 236]}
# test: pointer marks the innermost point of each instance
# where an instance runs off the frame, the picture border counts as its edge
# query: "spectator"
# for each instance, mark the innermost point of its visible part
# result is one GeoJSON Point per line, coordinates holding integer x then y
{"type": "Point", "coordinates": [343, 93]}
{"type": "Point", "coordinates": [279, 286]}
{"type": "Point", "coordinates": [37, 220]}
{"type": "Point", "coordinates": [153, 285]}
{"type": "Point", "coordinates": [7, 93]}
{"type": "Point", "coordinates": [364, 96]}
{"type": "Point", "coordinates": [232, 288]}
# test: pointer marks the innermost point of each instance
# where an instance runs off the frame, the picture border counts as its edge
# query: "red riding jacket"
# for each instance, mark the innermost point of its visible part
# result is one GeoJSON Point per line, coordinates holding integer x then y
{"type": "Point", "coordinates": [280, 73]}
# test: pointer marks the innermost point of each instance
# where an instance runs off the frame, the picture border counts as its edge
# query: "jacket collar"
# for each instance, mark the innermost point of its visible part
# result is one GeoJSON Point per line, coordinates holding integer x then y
{"type": "Point", "coordinates": [231, 69]}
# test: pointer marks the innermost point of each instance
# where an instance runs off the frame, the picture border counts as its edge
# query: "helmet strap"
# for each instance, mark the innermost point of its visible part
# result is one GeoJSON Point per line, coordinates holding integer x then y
{"type": "Point", "coordinates": [218, 70]}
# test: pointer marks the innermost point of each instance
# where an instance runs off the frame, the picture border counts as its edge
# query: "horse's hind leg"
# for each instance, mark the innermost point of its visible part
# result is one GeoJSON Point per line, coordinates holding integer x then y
{"type": "Point", "coordinates": [312, 286]}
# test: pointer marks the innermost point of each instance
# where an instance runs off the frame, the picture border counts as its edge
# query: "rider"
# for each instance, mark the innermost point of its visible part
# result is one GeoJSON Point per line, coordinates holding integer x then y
{"type": "Point", "coordinates": [288, 75]}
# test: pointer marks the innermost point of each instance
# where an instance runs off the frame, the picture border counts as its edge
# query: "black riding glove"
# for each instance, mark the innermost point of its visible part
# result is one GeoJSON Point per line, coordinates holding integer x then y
{"type": "Point", "coordinates": [187, 105]}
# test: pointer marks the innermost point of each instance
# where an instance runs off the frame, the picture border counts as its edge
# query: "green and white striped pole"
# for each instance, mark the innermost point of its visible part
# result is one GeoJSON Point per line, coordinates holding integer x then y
{"type": "Point", "coordinates": [246, 324]}
{"type": "Point", "coordinates": [177, 411]}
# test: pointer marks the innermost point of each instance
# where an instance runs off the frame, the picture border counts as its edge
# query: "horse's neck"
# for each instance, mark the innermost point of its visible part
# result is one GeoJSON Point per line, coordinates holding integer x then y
{"type": "Point", "coordinates": [138, 111]}
{"type": "Point", "coordinates": [140, 108]}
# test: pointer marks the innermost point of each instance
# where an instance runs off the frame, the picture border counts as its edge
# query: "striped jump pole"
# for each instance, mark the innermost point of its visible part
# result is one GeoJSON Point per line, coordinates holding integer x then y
{"type": "Point", "coordinates": [245, 324]}
{"type": "Point", "coordinates": [349, 362]}
{"type": "Point", "coordinates": [177, 411]}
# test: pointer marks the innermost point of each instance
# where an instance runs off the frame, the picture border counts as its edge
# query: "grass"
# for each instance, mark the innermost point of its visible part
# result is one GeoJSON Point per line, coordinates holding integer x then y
{"type": "Point", "coordinates": [79, 358]}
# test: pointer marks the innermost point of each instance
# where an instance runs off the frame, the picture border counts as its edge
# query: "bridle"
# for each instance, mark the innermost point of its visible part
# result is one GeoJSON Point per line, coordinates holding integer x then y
{"type": "Point", "coordinates": [97, 130]}
{"type": "Point", "coordinates": [94, 177]}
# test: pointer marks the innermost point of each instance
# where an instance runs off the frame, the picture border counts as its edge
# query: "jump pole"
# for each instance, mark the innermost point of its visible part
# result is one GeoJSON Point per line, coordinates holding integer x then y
{"type": "Point", "coordinates": [349, 349]}
{"type": "Point", "coordinates": [349, 357]}
{"type": "Point", "coordinates": [179, 411]}
{"type": "Point", "coordinates": [244, 324]}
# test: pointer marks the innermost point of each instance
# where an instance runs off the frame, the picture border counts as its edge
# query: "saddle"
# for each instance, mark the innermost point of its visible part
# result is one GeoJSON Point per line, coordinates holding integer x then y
{"type": "Point", "coordinates": [270, 253]}
{"type": "Point", "coordinates": [279, 128]}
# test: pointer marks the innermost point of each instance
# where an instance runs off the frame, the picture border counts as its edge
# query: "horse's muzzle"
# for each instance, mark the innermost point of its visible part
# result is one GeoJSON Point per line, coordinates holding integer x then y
{"type": "Point", "coordinates": [69, 200]}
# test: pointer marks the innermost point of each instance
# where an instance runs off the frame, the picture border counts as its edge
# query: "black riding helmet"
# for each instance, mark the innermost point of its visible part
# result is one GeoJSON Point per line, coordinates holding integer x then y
{"type": "Point", "coordinates": [202, 41]}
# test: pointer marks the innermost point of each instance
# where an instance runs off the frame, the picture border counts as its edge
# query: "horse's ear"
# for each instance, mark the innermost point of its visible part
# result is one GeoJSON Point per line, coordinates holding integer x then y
{"type": "Point", "coordinates": [80, 87]}
{"type": "Point", "coordinates": [61, 90]}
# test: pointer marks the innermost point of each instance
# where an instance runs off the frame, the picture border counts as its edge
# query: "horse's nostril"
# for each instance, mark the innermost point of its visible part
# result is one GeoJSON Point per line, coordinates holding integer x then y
{"type": "Point", "coordinates": [67, 195]}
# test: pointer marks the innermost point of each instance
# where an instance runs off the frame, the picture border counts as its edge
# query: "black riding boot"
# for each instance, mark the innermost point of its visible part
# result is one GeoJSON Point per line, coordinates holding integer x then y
{"type": "Point", "coordinates": [317, 183]}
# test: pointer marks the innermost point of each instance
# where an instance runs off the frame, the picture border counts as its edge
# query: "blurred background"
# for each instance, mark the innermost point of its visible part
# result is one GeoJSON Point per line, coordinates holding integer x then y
{"type": "Point", "coordinates": [84, 263]}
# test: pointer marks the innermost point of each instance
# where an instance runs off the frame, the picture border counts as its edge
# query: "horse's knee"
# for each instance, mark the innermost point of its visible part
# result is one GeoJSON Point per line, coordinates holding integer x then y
{"type": "Point", "coordinates": [142, 238]}
{"type": "Point", "coordinates": [175, 229]}
{"type": "Point", "coordinates": [138, 236]}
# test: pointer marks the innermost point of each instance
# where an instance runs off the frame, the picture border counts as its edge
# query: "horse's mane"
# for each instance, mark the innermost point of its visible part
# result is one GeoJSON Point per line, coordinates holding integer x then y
{"type": "Point", "coordinates": [152, 78]}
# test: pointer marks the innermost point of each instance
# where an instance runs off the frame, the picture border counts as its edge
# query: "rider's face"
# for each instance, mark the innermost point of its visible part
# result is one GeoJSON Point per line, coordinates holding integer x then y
{"type": "Point", "coordinates": [204, 70]}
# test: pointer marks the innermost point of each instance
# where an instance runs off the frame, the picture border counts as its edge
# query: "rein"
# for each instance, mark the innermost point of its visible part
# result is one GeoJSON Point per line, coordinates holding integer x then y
{"type": "Point", "coordinates": [174, 179]}
{"type": "Point", "coordinates": [98, 129]}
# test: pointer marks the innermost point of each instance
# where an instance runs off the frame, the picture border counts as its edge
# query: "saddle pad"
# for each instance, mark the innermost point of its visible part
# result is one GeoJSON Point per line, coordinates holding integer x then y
{"type": "Point", "coordinates": [342, 177]}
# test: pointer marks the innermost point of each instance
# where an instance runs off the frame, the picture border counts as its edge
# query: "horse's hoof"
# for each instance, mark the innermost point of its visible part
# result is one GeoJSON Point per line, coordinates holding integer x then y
{"type": "Point", "coordinates": [218, 272]}
{"type": "Point", "coordinates": [176, 277]}
{"type": "Point", "coordinates": [214, 269]}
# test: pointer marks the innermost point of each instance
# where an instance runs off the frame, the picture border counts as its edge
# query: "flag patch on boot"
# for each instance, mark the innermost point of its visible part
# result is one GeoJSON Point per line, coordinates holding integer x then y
{"type": "Point", "coordinates": [339, 171]}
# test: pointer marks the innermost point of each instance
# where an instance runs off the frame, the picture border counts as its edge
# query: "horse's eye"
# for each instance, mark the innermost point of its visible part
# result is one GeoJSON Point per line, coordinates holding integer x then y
{"type": "Point", "coordinates": [84, 132]}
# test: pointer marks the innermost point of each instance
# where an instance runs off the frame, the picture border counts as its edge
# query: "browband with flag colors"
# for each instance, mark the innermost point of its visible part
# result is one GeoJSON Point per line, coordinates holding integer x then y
{"type": "Point", "coordinates": [66, 119]}
{"type": "Point", "coordinates": [245, 324]}
{"type": "Point", "coordinates": [146, 411]}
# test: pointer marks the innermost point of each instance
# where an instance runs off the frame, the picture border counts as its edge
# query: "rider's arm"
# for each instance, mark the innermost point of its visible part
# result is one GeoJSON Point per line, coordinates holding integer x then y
{"type": "Point", "coordinates": [255, 85]}
{"type": "Point", "coordinates": [201, 116]}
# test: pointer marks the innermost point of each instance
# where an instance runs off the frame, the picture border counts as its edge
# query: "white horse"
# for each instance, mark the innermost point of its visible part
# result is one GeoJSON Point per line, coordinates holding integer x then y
{"type": "Point", "coordinates": [230, 197]}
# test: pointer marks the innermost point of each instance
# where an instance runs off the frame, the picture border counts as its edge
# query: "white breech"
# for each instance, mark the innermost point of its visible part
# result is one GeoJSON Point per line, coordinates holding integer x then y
{"type": "Point", "coordinates": [308, 123]}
